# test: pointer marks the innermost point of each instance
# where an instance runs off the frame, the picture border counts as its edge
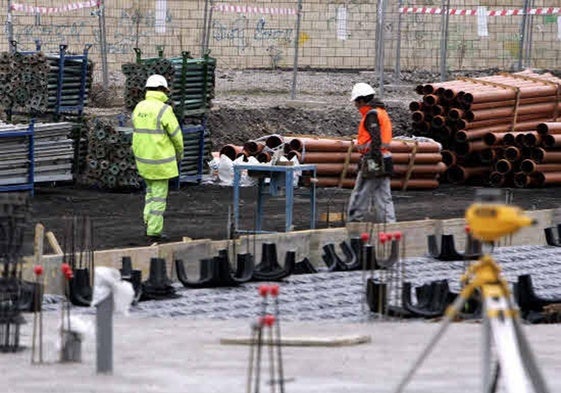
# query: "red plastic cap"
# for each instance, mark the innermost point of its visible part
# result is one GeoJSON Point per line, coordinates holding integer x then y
{"type": "Point", "coordinates": [38, 270]}
{"type": "Point", "coordinates": [268, 320]}
{"type": "Point", "coordinates": [467, 229]}
{"type": "Point", "coordinates": [274, 289]}
{"type": "Point", "coordinates": [364, 237]}
{"type": "Point", "coordinates": [397, 235]}
{"type": "Point", "coordinates": [382, 237]}
{"type": "Point", "coordinates": [68, 274]}
{"type": "Point", "coordinates": [263, 290]}
{"type": "Point", "coordinates": [65, 267]}
{"type": "Point", "coordinates": [389, 236]}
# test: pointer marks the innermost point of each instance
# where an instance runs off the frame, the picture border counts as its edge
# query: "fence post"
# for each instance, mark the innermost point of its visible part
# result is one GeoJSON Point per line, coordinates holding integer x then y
{"type": "Point", "coordinates": [398, 43]}
{"type": "Point", "coordinates": [444, 38]}
{"type": "Point", "coordinates": [523, 54]}
{"type": "Point", "coordinates": [103, 44]}
{"type": "Point", "coordinates": [380, 18]}
{"type": "Point", "coordinates": [10, 27]}
{"type": "Point", "coordinates": [296, 50]}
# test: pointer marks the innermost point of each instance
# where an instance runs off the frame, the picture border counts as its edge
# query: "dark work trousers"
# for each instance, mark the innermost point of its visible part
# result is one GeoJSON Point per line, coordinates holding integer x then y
{"type": "Point", "coordinates": [377, 188]}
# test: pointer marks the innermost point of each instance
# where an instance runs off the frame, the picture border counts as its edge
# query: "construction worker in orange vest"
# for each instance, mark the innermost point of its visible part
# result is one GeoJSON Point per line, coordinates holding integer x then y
{"type": "Point", "coordinates": [373, 142]}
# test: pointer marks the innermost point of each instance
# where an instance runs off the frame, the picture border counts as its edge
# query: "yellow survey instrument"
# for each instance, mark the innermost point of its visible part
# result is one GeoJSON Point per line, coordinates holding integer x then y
{"type": "Point", "coordinates": [491, 221]}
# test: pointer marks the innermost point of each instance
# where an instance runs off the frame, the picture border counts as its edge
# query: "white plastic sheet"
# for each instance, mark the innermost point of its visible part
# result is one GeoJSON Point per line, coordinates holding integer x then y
{"type": "Point", "coordinates": [107, 281]}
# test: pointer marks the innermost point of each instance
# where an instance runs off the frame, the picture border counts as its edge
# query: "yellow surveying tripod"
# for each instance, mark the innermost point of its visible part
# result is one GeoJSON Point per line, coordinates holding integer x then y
{"type": "Point", "coordinates": [515, 362]}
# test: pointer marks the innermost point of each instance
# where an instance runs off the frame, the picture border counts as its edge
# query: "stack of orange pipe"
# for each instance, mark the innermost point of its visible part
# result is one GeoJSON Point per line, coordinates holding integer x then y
{"type": "Point", "coordinates": [482, 122]}
{"type": "Point", "coordinates": [417, 165]}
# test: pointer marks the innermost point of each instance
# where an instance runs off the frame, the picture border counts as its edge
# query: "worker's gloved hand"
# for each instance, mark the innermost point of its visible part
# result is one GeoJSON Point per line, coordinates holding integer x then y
{"type": "Point", "coordinates": [179, 156]}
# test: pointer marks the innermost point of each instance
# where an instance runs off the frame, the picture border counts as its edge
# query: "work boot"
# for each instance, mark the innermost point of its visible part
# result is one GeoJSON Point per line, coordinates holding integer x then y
{"type": "Point", "coordinates": [157, 238]}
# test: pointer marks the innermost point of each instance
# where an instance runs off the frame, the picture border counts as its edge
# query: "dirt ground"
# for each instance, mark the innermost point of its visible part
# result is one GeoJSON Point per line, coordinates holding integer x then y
{"type": "Point", "coordinates": [201, 211]}
{"type": "Point", "coordinates": [247, 106]}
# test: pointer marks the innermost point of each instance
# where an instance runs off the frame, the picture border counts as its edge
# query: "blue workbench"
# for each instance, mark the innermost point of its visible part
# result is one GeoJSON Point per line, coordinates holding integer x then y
{"type": "Point", "coordinates": [280, 177]}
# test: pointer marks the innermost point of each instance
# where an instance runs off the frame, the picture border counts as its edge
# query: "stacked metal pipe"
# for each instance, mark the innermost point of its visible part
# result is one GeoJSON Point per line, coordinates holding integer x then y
{"type": "Point", "coordinates": [110, 162]}
{"type": "Point", "coordinates": [53, 153]}
{"type": "Point", "coordinates": [487, 126]}
{"type": "Point", "coordinates": [30, 82]}
{"type": "Point", "coordinates": [417, 164]}
{"type": "Point", "coordinates": [191, 82]}
{"type": "Point", "coordinates": [24, 81]}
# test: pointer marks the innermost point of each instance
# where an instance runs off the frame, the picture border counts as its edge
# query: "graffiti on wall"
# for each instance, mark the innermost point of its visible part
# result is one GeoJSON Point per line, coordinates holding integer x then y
{"type": "Point", "coordinates": [243, 35]}
{"type": "Point", "coordinates": [131, 28]}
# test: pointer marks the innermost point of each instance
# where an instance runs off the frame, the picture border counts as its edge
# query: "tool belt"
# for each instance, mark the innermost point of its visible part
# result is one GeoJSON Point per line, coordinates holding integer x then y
{"type": "Point", "coordinates": [371, 167]}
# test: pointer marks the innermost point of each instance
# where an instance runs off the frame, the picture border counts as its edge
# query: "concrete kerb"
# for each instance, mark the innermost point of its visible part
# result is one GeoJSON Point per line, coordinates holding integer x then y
{"type": "Point", "coordinates": [306, 243]}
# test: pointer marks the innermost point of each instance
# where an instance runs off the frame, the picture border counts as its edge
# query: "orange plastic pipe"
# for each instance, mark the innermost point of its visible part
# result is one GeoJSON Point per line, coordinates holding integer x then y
{"type": "Point", "coordinates": [542, 156]}
{"type": "Point", "coordinates": [552, 140]}
{"type": "Point", "coordinates": [528, 167]}
{"type": "Point", "coordinates": [549, 128]}
{"type": "Point", "coordinates": [459, 174]}
{"type": "Point", "coordinates": [231, 151]}
{"type": "Point", "coordinates": [548, 178]}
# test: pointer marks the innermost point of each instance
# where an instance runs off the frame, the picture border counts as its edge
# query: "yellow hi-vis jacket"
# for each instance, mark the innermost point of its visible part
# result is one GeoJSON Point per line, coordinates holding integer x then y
{"type": "Point", "coordinates": [157, 141]}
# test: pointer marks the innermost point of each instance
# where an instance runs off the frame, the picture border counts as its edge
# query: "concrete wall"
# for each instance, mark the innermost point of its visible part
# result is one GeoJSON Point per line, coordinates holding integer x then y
{"type": "Point", "coordinates": [306, 244]}
{"type": "Point", "coordinates": [333, 34]}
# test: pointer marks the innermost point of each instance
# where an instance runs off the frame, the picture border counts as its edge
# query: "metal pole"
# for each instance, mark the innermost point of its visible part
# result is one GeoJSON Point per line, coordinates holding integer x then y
{"type": "Point", "coordinates": [296, 50]}
{"type": "Point", "coordinates": [444, 39]}
{"type": "Point", "coordinates": [529, 36]}
{"type": "Point", "coordinates": [104, 335]}
{"type": "Point", "coordinates": [208, 27]}
{"type": "Point", "coordinates": [205, 20]}
{"type": "Point", "coordinates": [380, 46]}
{"type": "Point", "coordinates": [103, 45]}
{"type": "Point", "coordinates": [398, 45]}
{"type": "Point", "coordinates": [10, 27]}
{"type": "Point", "coordinates": [522, 34]}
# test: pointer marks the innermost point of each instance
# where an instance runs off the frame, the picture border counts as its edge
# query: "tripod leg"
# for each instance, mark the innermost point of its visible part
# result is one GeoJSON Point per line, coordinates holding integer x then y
{"type": "Point", "coordinates": [451, 312]}
{"type": "Point", "coordinates": [505, 339]}
{"type": "Point", "coordinates": [486, 350]}
{"type": "Point", "coordinates": [529, 360]}
{"type": "Point", "coordinates": [493, 387]}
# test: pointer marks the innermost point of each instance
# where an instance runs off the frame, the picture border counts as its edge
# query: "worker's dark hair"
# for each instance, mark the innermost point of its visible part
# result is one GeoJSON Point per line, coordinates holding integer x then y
{"type": "Point", "coordinates": [374, 101]}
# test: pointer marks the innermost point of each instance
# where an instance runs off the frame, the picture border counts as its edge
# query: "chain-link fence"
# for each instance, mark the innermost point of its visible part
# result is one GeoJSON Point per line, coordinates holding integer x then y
{"type": "Point", "coordinates": [387, 37]}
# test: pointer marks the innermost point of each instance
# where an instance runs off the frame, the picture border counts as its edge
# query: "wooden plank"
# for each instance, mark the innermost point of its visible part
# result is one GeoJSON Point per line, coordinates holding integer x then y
{"type": "Point", "coordinates": [303, 341]}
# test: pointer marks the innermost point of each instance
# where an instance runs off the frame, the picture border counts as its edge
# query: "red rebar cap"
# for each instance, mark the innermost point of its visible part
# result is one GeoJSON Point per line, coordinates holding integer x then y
{"type": "Point", "coordinates": [397, 235]}
{"type": "Point", "coordinates": [38, 270]}
{"type": "Point", "coordinates": [364, 237]}
{"type": "Point", "coordinates": [68, 274]}
{"type": "Point", "coordinates": [263, 290]}
{"type": "Point", "coordinates": [274, 289]}
{"type": "Point", "coordinates": [467, 229]}
{"type": "Point", "coordinates": [65, 267]}
{"type": "Point", "coordinates": [382, 237]}
{"type": "Point", "coordinates": [268, 320]}
{"type": "Point", "coordinates": [389, 236]}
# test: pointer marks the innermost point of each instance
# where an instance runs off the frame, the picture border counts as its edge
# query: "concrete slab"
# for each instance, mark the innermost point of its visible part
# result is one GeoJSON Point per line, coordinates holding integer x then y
{"type": "Point", "coordinates": [177, 355]}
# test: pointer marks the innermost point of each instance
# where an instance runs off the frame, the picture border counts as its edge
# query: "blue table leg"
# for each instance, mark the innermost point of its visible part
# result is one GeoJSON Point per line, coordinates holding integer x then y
{"type": "Point", "coordinates": [313, 201]}
{"type": "Point", "coordinates": [259, 220]}
{"type": "Point", "coordinates": [236, 184]}
{"type": "Point", "coordinates": [289, 176]}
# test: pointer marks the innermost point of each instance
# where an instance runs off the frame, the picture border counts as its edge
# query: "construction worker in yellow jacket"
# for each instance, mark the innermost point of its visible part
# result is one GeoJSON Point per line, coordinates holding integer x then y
{"type": "Point", "coordinates": [157, 144]}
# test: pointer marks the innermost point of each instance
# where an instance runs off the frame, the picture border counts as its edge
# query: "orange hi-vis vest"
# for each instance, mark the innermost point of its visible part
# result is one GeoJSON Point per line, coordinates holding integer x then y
{"type": "Point", "coordinates": [385, 127]}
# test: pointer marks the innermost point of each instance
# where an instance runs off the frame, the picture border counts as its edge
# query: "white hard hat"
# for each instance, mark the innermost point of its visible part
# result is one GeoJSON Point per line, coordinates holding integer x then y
{"type": "Point", "coordinates": [362, 90]}
{"type": "Point", "coordinates": [156, 81]}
